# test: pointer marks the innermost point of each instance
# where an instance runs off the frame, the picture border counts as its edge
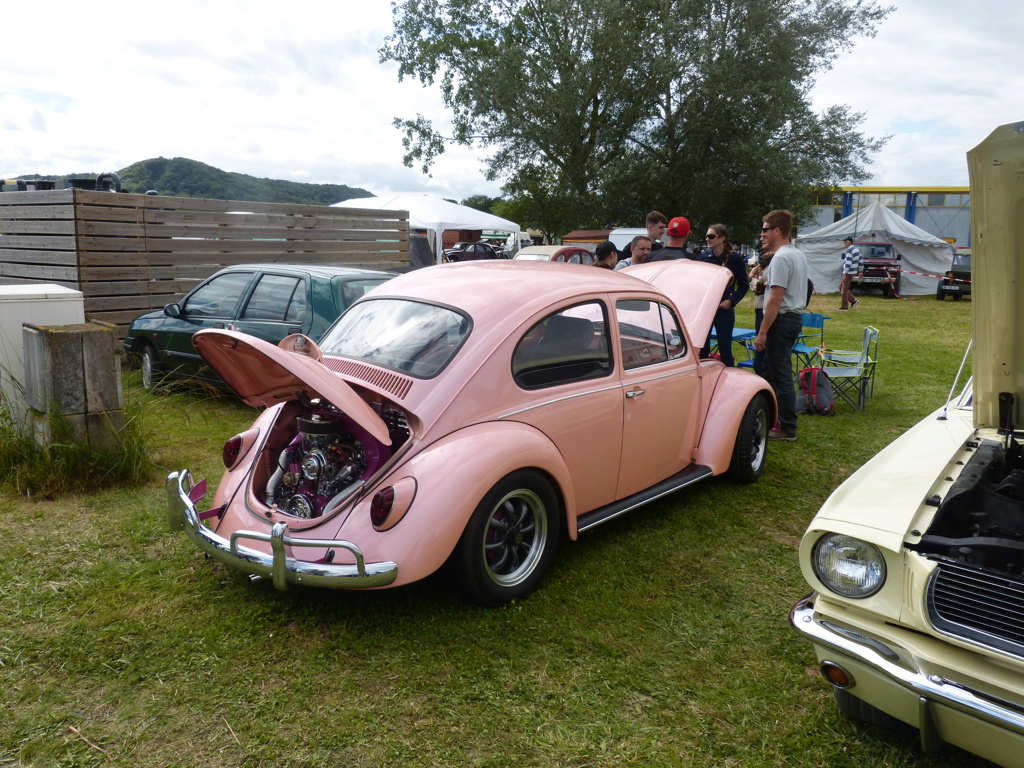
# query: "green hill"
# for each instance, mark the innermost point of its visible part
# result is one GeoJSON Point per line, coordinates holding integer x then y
{"type": "Point", "coordinates": [181, 177]}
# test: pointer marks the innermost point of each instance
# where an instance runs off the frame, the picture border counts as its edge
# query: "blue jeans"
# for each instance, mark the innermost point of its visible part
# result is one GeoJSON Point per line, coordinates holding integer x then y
{"type": "Point", "coordinates": [725, 321]}
{"type": "Point", "coordinates": [778, 352]}
{"type": "Point", "coordinates": [759, 367]}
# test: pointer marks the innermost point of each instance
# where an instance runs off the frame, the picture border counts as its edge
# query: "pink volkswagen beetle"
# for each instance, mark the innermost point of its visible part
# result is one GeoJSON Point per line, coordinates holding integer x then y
{"type": "Point", "coordinates": [471, 416]}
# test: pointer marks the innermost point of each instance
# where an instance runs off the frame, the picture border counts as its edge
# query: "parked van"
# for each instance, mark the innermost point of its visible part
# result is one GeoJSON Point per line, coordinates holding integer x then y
{"type": "Point", "coordinates": [623, 236]}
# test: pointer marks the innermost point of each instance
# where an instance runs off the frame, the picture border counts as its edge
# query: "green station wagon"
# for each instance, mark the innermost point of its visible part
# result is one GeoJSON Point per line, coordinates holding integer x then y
{"type": "Point", "coordinates": [269, 301]}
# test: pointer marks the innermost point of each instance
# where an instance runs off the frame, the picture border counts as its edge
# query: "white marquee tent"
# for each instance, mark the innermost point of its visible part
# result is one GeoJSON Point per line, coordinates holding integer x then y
{"type": "Point", "coordinates": [923, 253]}
{"type": "Point", "coordinates": [434, 214]}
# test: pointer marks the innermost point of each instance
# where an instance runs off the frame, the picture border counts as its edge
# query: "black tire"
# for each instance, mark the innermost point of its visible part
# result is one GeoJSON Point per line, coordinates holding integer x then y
{"type": "Point", "coordinates": [509, 542]}
{"type": "Point", "coordinates": [748, 455]}
{"type": "Point", "coordinates": [862, 712]}
{"type": "Point", "coordinates": [940, 293]}
{"type": "Point", "coordinates": [150, 365]}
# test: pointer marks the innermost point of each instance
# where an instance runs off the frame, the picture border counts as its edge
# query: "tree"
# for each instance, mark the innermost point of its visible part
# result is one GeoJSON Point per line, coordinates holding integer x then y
{"type": "Point", "coordinates": [600, 110]}
{"type": "Point", "coordinates": [548, 83]}
{"type": "Point", "coordinates": [481, 202]}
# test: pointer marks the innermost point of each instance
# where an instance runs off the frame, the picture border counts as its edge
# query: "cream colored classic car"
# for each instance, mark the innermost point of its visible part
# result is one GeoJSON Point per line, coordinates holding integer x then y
{"type": "Point", "coordinates": [917, 561]}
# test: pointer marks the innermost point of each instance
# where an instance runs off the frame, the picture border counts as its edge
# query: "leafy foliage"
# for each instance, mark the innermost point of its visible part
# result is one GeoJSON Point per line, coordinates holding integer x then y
{"type": "Point", "coordinates": [481, 202]}
{"type": "Point", "coordinates": [600, 110]}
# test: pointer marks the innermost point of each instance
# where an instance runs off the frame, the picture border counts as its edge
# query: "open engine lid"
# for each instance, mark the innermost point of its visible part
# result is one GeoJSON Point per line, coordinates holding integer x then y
{"type": "Point", "coordinates": [261, 373]}
{"type": "Point", "coordinates": [996, 169]}
{"type": "Point", "coordinates": [695, 287]}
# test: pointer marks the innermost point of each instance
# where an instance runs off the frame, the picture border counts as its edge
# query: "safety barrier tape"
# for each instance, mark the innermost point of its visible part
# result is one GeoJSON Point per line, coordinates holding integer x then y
{"type": "Point", "coordinates": [940, 277]}
{"type": "Point", "coordinates": [927, 274]}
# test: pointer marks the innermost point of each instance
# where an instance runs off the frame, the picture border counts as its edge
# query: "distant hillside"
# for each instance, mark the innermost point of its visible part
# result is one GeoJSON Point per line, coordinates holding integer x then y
{"type": "Point", "coordinates": [181, 177]}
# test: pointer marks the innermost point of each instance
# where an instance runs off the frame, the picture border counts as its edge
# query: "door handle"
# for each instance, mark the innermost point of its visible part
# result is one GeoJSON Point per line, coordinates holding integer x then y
{"type": "Point", "coordinates": [635, 393]}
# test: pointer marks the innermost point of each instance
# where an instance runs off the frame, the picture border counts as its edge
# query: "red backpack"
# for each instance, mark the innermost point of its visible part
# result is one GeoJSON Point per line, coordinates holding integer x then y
{"type": "Point", "coordinates": [815, 394]}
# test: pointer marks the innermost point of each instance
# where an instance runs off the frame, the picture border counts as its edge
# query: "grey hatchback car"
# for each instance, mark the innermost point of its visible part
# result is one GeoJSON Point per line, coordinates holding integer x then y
{"type": "Point", "coordinates": [270, 301]}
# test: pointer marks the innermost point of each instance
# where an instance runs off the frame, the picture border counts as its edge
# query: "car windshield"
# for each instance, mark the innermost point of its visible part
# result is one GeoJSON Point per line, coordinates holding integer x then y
{"type": "Point", "coordinates": [962, 260]}
{"type": "Point", "coordinates": [408, 336]}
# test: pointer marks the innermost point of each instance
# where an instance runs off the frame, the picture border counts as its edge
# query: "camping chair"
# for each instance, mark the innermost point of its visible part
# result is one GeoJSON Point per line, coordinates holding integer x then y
{"type": "Point", "coordinates": [853, 373]}
{"type": "Point", "coordinates": [811, 341]}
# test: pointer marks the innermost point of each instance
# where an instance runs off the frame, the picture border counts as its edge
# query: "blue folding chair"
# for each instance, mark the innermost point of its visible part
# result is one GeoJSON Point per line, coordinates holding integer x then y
{"type": "Point", "coordinates": [810, 342]}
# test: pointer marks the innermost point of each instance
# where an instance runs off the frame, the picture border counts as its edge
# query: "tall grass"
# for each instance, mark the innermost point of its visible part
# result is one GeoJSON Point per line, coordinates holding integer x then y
{"type": "Point", "coordinates": [67, 464]}
{"type": "Point", "coordinates": [659, 639]}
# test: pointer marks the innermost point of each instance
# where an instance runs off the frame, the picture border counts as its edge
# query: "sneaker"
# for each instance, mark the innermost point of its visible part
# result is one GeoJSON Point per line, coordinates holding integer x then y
{"type": "Point", "coordinates": [785, 435]}
{"type": "Point", "coordinates": [855, 303]}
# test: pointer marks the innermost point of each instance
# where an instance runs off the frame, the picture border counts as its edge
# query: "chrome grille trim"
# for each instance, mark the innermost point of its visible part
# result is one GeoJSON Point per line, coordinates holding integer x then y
{"type": "Point", "coordinates": [978, 605]}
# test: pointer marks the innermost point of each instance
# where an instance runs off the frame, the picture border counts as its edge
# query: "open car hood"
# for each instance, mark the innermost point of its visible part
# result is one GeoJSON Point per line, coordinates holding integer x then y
{"type": "Point", "coordinates": [261, 373]}
{"type": "Point", "coordinates": [997, 190]}
{"type": "Point", "coordinates": [695, 287]}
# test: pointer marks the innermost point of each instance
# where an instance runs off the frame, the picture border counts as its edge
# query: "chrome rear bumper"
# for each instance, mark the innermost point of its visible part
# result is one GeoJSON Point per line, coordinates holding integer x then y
{"type": "Point", "coordinates": [279, 566]}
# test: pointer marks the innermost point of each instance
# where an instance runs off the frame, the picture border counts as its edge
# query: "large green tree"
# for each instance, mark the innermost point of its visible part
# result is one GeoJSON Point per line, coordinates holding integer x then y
{"type": "Point", "coordinates": [599, 110]}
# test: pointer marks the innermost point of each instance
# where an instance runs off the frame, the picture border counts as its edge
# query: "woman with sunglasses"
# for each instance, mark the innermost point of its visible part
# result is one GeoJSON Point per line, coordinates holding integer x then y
{"type": "Point", "coordinates": [719, 251]}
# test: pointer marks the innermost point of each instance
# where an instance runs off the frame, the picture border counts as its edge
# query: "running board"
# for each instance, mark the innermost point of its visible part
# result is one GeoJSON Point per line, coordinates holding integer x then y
{"type": "Point", "coordinates": [688, 476]}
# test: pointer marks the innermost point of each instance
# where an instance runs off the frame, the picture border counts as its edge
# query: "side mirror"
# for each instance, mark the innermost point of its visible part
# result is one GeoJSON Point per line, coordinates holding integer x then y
{"type": "Point", "coordinates": [172, 310]}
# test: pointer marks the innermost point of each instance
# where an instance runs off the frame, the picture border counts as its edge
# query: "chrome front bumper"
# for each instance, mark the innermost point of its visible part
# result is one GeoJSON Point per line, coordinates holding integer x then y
{"type": "Point", "coordinates": [929, 689]}
{"type": "Point", "coordinates": [279, 566]}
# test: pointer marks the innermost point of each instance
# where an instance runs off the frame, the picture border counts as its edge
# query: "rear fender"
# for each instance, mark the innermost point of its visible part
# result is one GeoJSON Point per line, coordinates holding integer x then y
{"type": "Point", "coordinates": [452, 476]}
{"type": "Point", "coordinates": [732, 393]}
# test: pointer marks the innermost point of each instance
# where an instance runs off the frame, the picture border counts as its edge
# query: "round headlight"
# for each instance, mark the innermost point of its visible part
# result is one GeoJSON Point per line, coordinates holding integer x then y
{"type": "Point", "coordinates": [848, 566]}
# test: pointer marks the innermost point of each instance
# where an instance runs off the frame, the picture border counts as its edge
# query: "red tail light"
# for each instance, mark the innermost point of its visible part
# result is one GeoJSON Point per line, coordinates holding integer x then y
{"type": "Point", "coordinates": [381, 506]}
{"type": "Point", "coordinates": [231, 450]}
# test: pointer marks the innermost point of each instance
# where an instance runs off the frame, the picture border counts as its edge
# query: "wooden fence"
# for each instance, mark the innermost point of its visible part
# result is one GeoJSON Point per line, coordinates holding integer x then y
{"type": "Point", "coordinates": [129, 254]}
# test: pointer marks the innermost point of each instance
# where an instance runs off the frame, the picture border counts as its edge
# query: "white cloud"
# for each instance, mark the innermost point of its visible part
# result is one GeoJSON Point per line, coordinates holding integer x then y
{"type": "Point", "coordinates": [939, 77]}
{"type": "Point", "coordinates": [296, 91]}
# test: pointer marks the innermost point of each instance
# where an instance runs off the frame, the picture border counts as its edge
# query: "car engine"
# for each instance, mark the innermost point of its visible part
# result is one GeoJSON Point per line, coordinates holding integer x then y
{"type": "Point", "coordinates": [327, 460]}
{"type": "Point", "coordinates": [981, 519]}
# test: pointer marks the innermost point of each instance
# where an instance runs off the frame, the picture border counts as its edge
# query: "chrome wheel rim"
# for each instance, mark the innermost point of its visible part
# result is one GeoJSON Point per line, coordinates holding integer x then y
{"type": "Point", "coordinates": [147, 370]}
{"type": "Point", "coordinates": [514, 538]}
{"type": "Point", "coordinates": [759, 440]}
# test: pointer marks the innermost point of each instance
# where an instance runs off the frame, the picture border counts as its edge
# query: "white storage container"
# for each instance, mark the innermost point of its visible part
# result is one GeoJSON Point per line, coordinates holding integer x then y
{"type": "Point", "coordinates": [39, 304]}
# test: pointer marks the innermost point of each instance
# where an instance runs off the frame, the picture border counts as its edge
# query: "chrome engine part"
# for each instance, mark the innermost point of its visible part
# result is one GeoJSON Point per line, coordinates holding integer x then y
{"type": "Point", "coordinates": [322, 460]}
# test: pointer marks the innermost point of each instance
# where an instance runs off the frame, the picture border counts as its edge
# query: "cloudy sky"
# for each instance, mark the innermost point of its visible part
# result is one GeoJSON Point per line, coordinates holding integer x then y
{"type": "Point", "coordinates": [294, 90]}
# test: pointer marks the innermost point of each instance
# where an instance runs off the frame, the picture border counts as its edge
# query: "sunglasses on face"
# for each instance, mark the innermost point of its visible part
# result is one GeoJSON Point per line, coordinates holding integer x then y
{"type": "Point", "coordinates": [710, 237]}
{"type": "Point", "coordinates": [766, 229]}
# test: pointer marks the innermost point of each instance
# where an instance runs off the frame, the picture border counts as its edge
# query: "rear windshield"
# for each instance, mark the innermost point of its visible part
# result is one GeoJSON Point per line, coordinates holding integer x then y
{"type": "Point", "coordinates": [408, 336]}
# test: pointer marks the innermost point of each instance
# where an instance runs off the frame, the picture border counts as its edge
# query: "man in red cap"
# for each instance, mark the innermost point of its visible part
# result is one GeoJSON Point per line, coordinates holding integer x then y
{"type": "Point", "coordinates": [677, 232]}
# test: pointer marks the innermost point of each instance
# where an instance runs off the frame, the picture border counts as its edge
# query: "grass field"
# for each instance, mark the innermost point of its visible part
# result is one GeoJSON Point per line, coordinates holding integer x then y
{"type": "Point", "coordinates": [659, 639]}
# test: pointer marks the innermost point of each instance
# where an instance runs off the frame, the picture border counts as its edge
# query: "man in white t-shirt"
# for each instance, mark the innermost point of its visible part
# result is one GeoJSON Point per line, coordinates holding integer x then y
{"type": "Point", "coordinates": [785, 301]}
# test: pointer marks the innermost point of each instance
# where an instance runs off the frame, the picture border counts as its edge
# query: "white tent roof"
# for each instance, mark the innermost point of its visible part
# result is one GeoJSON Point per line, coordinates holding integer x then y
{"type": "Point", "coordinates": [433, 213]}
{"type": "Point", "coordinates": [925, 257]}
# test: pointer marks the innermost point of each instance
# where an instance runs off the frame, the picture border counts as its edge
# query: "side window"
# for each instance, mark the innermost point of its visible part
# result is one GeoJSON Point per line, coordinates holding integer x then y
{"type": "Point", "coordinates": [219, 297]}
{"type": "Point", "coordinates": [568, 346]}
{"type": "Point", "coordinates": [277, 298]}
{"type": "Point", "coordinates": [353, 290]}
{"type": "Point", "coordinates": [649, 333]}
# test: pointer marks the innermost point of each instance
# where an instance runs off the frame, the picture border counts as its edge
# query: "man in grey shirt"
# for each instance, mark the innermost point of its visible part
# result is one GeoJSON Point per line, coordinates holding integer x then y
{"type": "Point", "coordinates": [785, 301]}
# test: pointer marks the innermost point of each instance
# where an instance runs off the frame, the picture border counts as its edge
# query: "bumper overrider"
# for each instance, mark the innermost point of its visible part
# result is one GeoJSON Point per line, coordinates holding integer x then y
{"type": "Point", "coordinates": [930, 690]}
{"type": "Point", "coordinates": [278, 566]}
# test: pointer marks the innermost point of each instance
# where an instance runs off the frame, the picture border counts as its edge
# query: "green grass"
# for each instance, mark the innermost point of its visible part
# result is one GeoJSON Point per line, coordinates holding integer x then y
{"type": "Point", "coordinates": [660, 639]}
